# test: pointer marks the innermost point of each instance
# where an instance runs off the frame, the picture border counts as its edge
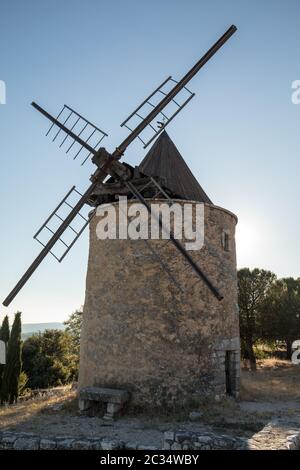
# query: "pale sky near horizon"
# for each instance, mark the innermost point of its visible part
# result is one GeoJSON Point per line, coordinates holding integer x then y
{"type": "Point", "coordinates": [239, 135]}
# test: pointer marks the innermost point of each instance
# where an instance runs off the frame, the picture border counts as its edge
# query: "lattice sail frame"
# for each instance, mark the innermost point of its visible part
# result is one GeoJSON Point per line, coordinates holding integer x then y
{"type": "Point", "coordinates": [77, 124]}
{"type": "Point", "coordinates": [75, 229]}
{"type": "Point", "coordinates": [166, 116]}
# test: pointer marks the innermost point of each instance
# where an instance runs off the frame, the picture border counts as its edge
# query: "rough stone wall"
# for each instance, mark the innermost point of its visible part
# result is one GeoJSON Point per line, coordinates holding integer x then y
{"type": "Point", "coordinates": [142, 334]}
{"type": "Point", "coordinates": [182, 440]}
{"type": "Point", "coordinates": [271, 437]}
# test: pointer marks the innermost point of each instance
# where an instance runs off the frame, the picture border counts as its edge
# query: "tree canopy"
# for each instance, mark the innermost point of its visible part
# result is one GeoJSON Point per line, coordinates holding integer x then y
{"type": "Point", "coordinates": [50, 359]}
{"type": "Point", "coordinates": [253, 288]}
{"type": "Point", "coordinates": [269, 310]}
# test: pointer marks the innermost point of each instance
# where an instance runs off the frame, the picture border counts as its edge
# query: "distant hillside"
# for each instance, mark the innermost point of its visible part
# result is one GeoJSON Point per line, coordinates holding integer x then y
{"type": "Point", "coordinates": [29, 328]}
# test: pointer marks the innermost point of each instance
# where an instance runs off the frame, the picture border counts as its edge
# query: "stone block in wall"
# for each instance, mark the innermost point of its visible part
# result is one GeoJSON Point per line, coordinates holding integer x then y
{"type": "Point", "coordinates": [64, 442]}
{"type": "Point", "coordinates": [7, 441]}
{"type": "Point", "coordinates": [27, 443]}
{"type": "Point", "coordinates": [47, 444]}
{"type": "Point", "coordinates": [111, 444]}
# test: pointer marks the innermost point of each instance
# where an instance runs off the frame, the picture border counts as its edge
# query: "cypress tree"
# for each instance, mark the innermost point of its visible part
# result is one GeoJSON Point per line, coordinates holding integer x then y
{"type": "Point", "coordinates": [4, 336]}
{"type": "Point", "coordinates": [4, 331]}
{"type": "Point", "coordinates": [12, 370]}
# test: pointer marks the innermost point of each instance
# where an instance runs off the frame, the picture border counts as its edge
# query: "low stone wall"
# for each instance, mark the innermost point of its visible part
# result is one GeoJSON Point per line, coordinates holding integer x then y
{"type": "Point", "coordinates": [271, 437]}
{"type": "Point", "coordinates": [203, 441]}
{"type": "Point", "coordinates": [171, 441]}
{"type": "Point", "coordinates": [277, 435]}
{"type": "Point", "coordinates": [29, 441]}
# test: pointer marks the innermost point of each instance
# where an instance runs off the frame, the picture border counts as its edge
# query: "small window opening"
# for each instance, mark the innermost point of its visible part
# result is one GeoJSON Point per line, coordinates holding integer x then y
{"type": "Point", "coordinates": [226, 241]}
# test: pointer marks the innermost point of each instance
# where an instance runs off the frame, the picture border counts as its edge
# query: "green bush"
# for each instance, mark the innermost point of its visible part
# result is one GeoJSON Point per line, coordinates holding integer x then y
{"type": "Point", "coordinates": [50, 359]}
{"type": "Point", "coordinates": [23, 380]}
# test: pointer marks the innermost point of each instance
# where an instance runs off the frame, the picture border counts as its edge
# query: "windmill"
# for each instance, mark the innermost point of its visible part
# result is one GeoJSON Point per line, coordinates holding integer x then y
{"type": "Point", "coordinates": [170, 98]}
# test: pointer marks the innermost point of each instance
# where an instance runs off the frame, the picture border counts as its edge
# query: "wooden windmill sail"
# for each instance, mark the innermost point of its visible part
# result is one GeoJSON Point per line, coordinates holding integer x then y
{"type": "Point", "coordinates": [83, 138]}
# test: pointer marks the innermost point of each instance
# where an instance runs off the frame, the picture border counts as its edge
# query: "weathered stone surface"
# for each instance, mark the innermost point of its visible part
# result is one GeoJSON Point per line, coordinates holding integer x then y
{"type": "Point", "coordinates": [113, 408]}
{"type": "Point", "coordinates": [144, 447]}
{"type": "Point", "coordinates": [131, 445]}
{"type": "Point", "coordinates": [166, 446]}
{"type": "Point", "coordinates": [183, 436]}
{"type": "Point", "coordinates": [7, 441]}
{"type": "Point", "coordinates": [274, 436]}
{"type": "Point", "coordinates": [111, 444]}
{"type": "Point", "coordinates": [196, 441]}
{"type": "Point", "coordinates": [204, 439]}
{"type": "Point", "coordinates": [195, 415]}
{"type": "Point", "coordinates": [47, 444]}
{"type": "Point", "coordinates": [105, 395]}
{"type": "Point", "coordinates": [64, 443]}
{"type": "Point", "coordinates": [82, 444]}
{"type": "Point", "coordinates": [27, 443]}
{"type": "Point", "coordinates": [108, 417]}
{"type": "Point", "coordinates": [142, 334]}
{"type": "Point", "coordinates": [96, 444]}
{"type": "Point", "coordinates": [176, 446]}
{"type": "Point", "coordinates": [169, 436]}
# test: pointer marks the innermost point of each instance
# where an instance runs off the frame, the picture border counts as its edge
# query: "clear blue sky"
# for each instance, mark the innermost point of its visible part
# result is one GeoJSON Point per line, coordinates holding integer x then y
{"type": "Point", "coordinates": [240, 135]}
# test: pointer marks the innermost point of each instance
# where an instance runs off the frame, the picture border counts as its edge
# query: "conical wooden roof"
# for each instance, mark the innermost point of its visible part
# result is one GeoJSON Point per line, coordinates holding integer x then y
{"type": "Point", "coordinates": [164, 160]}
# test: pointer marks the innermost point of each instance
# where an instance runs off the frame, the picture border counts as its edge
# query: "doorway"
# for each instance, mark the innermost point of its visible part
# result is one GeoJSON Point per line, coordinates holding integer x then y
{"type": "Point", "coordinates": [229, 372]}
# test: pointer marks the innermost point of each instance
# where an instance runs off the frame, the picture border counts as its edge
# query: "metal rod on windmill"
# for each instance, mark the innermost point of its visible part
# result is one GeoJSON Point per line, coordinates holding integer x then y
{"type": "Point", "coordinates": [108, 164]}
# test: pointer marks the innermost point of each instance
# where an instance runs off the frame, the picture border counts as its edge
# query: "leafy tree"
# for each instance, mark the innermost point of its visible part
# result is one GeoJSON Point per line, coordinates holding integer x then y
{"type": "Point", "coordinates": [13, 366]}
{"type": "Point", "coordinates": [253, 287]}
{"type": "Point", "coordinates": [281, 312]}
{"type": "Point", "coordinates": [50, 359]}
{"type": "Point", "coordinates": [74, 325]}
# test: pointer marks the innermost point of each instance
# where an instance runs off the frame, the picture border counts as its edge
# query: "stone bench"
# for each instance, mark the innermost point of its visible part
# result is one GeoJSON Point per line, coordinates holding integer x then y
{"type": "Point", "coordinates": [114, 399]}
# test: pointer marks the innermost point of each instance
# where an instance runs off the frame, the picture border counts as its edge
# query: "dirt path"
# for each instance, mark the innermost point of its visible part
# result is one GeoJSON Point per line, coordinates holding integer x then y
{"type": "Point", "coordinates": [278, 408]}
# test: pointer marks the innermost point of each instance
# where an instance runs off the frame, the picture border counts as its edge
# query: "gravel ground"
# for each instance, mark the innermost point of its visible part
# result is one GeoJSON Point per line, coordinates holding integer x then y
{"type": "Point", "coordinates": [57, 416]}
{"type": "Point", "coordinates": [271, 393]}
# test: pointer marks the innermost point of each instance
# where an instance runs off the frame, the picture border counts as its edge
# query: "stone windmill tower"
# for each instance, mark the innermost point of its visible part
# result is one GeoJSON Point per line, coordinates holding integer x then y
{"type": "Point", "coordinates": [159, 333]}
{"type": "Point", "coordinates": [158, 322]}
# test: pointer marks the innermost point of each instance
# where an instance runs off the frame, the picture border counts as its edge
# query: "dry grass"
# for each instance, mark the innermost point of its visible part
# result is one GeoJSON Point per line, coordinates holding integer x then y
{"type": "Point", "coordinates": [31, 410]}
{"type": "Point", "coordinates": [274, 380]}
